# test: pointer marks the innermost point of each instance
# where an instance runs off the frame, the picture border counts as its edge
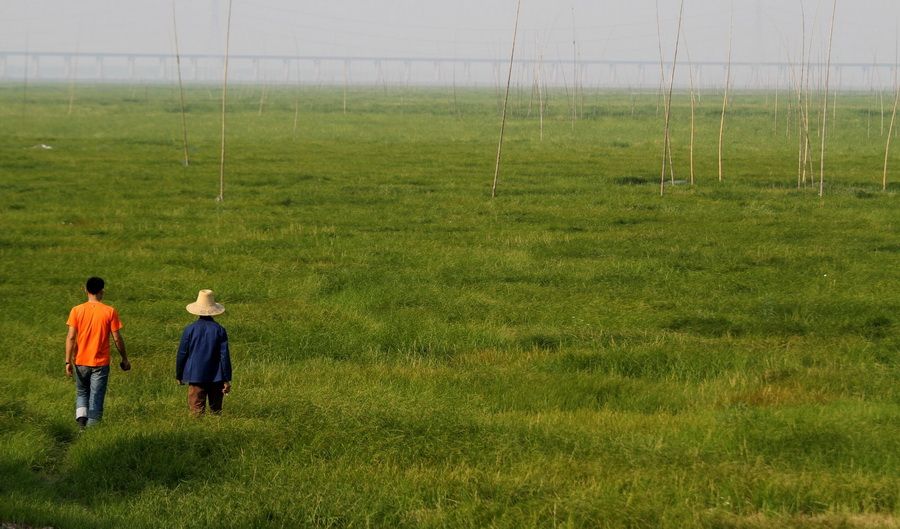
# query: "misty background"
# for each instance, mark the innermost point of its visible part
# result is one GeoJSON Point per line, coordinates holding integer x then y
{"type": "Point", "coordinates": [433, 42]}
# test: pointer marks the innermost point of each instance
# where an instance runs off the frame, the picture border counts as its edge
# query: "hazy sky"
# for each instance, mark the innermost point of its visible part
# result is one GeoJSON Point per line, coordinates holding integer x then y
{"type": "Point", "coordinates": [765, 30]}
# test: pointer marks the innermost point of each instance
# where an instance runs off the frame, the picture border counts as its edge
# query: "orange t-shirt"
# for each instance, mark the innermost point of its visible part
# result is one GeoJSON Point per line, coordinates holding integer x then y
{"type": "Point", "coordinates": [93, 321]}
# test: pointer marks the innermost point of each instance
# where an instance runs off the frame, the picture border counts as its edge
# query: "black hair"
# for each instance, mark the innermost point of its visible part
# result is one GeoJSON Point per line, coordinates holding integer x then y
{"type": "Point", "coordinates": [94, 285]}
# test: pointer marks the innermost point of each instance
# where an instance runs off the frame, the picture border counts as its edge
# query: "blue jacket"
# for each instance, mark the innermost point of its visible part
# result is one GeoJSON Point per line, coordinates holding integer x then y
{"type": "Point", "coordinates": [203, 353]}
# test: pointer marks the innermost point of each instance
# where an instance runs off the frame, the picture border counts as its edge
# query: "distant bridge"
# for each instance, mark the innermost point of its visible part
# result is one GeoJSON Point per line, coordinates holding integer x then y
{"type": "Point", "coordinates": [275, 69]}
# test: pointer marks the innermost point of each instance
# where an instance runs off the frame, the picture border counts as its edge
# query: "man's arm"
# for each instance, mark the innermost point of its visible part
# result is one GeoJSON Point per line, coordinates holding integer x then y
{"type": "Point", "coordinates": [181, 357]}
{"type": "Point", "coordinates": [225, 358]}
{"type": "Point", "coordinates": [120, 345]}
{"type": "Point", "coordinates": [71, 349]}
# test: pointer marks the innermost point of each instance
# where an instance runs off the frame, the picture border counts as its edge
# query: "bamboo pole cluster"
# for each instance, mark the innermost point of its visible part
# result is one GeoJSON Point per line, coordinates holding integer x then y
{"type": "Point", "coordinates": [825, 103]}
{"type": "Point", "coordinates": [800, 77]}
{"type": "Point", "coordinates": [667, 149]}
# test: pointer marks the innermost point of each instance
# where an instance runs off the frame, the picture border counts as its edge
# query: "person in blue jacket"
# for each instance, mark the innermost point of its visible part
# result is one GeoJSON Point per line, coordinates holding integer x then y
{"type": "Point", "coordinates": [203, 361]}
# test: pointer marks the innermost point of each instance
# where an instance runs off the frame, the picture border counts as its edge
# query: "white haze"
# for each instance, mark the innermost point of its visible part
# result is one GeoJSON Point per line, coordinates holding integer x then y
{"type": "Point", "coordinates": [764, 30]}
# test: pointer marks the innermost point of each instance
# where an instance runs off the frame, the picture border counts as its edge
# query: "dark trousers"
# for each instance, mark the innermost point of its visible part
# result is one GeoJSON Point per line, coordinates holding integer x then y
{"type": "Point", "coordinates": [198, 394]}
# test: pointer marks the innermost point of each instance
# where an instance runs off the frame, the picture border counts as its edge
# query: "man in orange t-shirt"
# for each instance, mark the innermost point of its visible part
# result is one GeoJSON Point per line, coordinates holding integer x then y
{"type": "Point", "coordinates": [87, 351]}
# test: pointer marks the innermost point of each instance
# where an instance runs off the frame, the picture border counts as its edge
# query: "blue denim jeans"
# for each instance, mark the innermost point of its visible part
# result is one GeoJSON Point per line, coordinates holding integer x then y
{"type": "Point", "coordinates": [90, 390]}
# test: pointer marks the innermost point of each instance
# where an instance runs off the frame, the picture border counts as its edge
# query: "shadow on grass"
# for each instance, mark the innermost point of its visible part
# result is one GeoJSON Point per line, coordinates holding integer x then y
{"type": "Point", "coordinates": [90, 468]}
{"type": "Point", "coordinates": [710, 327]}
{"type": "Point", "coordinates": [129, 464]}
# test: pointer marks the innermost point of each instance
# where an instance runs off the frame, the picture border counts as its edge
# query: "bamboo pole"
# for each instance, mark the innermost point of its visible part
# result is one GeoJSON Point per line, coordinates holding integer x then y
{"type": "Point", "coordinates": [887, 148]}
{"type": "Point", "coordinates": [455, 100]}
{"type": "Point", "coordinates": [868, 122]}
{"type": "Point", "coordinates": [777, 83]}
{"type": "Point", "coordinates": [868, 105]}
{"type": "Point", "coordinates": [73, 75]}
{"type": "Point", "coordinates": [25, 83]}
{"type": "Point", "coordinates": [296, 118]}
{"type": "Point", "coordinates": [262, 97]}
{"type": "Point", "coordinates": [534, 81]}
{"type": "Point", "coordinates": [296, 94]}
{"type": "Point", "coordinates": [807, 146]}
{"type": "Point", "coordinates": [221, 196]}
{"type": "Point", "coordinates": [834, 96]}
{"type": "Point", "coordinates": [666, 146]}
{"type": "Point", "coordinates": [825, 103]}
{"type": "Point", "coordinates": [881, 98]}
{"type": "Point", "coordinates": [659, 95]}
{"type": "Point", "coordinates": [802, 118]}
{"type": "Point", "coordinates": [693, 127]}
{"type": "Point", "coordinates": [512, 55]}
{"type": "Point", "coordinates": [574, 73]}
{"type": "Point", "coordinates": [796, 82]}
{"type": "Point", "coordinates": [687, 50]}
{"type": "Point", "coordinates": [633, 102]}
{"type": "Point", "coordinates": [725, 98]}
{"type": "Point", "coordinates": [789, 111]}
{"type": "Point", "coordinates": [345, 87]}
{"type": "Point", "coordinates": [540, 72]}
{"type": "Point", "coordinates": [878, 90]}
{"type": "Point", "coordinates": [184, 133]}
{"type": "Point", "coordinates": [791, 80]}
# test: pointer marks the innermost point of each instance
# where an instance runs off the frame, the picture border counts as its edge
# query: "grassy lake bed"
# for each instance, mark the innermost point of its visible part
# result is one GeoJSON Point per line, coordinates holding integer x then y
{"type": "Point", "coordinates": [577, 352]}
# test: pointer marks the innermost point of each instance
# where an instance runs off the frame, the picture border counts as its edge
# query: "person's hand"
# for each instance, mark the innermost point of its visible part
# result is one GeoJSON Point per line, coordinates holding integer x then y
{"type": "Point", "coordinates": [68, 369]}
{"type": "Point", "coordinates": [125, 365]}
{"type": "Point", "coordinates": [226, 389]}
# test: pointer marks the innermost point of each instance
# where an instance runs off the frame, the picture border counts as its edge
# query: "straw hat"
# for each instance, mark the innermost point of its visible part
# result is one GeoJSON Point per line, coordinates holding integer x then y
{"type": "Point", "coordinates": [206, 304]}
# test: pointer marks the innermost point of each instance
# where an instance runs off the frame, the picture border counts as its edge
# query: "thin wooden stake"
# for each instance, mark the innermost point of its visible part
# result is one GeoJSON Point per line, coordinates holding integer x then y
{"type": "Point", "coordinates": [825, 104]}
{"type": "Point", "coordinates": [887, 148]}
{"type": "Point", "coordinates": [512, 55]}
{"type": "Point", "coordinates": [262, 98]}
{"type": "Point", "coordinates": [801, 118]}
{"type": "Point", "coordinates": [807, 76]}
{"type": "Point", "coordinates": [777, 82]}
{"type": "Point", "coordinates": [180, 87]}
{"type": "Point", "coordinates": [574, 73]}
{"type": "Point", "coordinates": [725, 98]}
{"type": "Point", "coordinates": [687, 50]}
{"type": "Point", "coordinates": [297, 94]}
{"type": "Point", "coordinates": [296, 117]}
{"type": "Point", "coordinates": [879, 91]}
{"type": "Point", "coordinates": [666, 145]}
{"type": "Point", "coordinates": [667, 149]}
{"type": "Point", "coordinates": [455, 101]}
{"type": "Point", "coordinates": [534, 83]}
{"type": "Point", "coordinates": [73, 76]}
{"type": "Point", "coordinates": [25, 83]}
{"type": "Point", "coordinates": [540, 71]}
{"type": "Point", "coordinates": [345, 86]}
{"type": "Point", "coordinates": [868, 122]}
{"type": "Point", "coordinates": [221, 196]}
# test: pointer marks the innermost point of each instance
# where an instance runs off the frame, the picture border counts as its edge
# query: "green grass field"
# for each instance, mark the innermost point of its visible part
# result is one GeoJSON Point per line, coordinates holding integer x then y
{"type": "Point", "coordinates": [578, 352]}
